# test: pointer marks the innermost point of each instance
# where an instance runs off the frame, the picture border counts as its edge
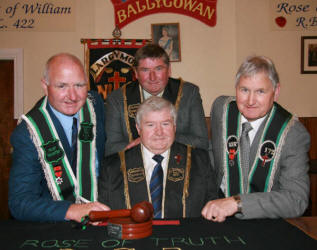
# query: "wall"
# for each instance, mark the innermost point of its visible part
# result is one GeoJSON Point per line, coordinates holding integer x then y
{"type": "Point", "coordinates": [254, 36]}
{"type": "Point", "coordinates": [210, 55]}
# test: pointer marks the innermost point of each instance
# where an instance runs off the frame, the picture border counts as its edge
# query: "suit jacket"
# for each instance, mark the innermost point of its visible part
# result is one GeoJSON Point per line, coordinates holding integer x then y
{"type": "Point", "coordinates": [202, 188]}
{"type": "Point", "coordinates": [290, 190]}
{"type": "Point", "coordinates": [29, 196]}
{"type": "Point", "coordinates": [190, 125]}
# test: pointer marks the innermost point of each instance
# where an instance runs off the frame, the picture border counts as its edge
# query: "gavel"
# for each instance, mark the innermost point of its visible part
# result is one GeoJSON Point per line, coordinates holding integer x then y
{"type": "Point", "coordinates": [140, 212]}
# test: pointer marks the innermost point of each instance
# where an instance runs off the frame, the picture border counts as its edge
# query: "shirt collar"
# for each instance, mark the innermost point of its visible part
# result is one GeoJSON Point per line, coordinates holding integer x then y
{"type": "Point", "coordinates": [149, 155]}
{"type": "Point", "coordinates": [65, 120]}
{"type": "Point", "coordinates": [148, 95]}
{"type": "Point", "coordinates": [255, 124]}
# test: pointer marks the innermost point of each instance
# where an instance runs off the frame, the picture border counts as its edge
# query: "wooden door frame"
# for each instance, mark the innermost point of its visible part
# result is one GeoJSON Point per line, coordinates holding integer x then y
{"type": "Point", "coordinates": [17, 56]}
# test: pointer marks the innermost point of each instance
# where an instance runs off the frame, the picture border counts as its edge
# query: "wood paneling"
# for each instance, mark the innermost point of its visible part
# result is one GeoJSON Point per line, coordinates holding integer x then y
{"type": "Point", "coordinates": [311, 125]}
{"type": "Point", "coordinates": [7, 124]}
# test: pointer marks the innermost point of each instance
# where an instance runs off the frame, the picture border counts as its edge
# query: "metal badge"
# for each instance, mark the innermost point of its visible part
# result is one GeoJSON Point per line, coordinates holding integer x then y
{"type": "Point", "coordinates": [58, 171]}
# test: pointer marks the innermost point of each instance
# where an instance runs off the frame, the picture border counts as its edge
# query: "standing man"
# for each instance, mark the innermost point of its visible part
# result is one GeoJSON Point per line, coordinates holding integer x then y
{"type": "Point", "coordinates": [259, 149]}
{"type": "Point", "coordinates": [57, 148]}
{"type": "Point", "coordinates": [152, 70]}
{"type": "Point", "coordinates": [176, 178]}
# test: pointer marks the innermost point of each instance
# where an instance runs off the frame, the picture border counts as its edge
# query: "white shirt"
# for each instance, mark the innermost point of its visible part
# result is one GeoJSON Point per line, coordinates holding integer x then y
{"type": "Point", "coordinates": [148, 95]}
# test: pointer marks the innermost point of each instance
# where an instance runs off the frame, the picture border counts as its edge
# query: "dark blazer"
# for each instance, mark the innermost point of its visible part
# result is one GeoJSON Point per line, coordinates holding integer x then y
{"type": "Point", "coordinates": [190, 125]}
{"type": "Point", "coordinates": [290, 190]}
{"type": "Point", "coordinates": [29, 196]}
{"type": "Point", "coordinates": [201, 189]}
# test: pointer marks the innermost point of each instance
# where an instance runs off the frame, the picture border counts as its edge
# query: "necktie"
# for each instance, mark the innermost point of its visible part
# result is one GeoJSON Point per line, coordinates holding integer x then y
{"type": "Point", "coordinates": [245, 151]}
{"type": "Point", "coordinates": [156, 186]}
{"type": "Point", "coordinates": [74, 145]}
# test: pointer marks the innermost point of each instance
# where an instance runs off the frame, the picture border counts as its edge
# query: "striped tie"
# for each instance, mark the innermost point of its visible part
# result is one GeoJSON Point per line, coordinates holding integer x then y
{"type": "Point", "coordinates": [74, 145]}
{"type": "Point", "coordinates": [156, 186]}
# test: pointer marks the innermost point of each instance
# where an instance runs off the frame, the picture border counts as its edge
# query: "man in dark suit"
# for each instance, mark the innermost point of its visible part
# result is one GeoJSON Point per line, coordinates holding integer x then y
{"type": "Point", "coordinates": [176, 178]}
{"type": "Point", "coordinates": [259, 149]}
{"type": "Point", "coordinates": [152, 70]}
{"type": "Point", "coordinates": [57, 148]}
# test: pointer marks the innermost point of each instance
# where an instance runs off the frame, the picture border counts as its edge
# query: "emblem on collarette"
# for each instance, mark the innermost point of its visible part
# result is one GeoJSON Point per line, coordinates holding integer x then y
{"type": "Point", "coordinates": [52, 151]}
{"type": "Point", "coordinates": [85, 133]}
{"type": "Point", "coordinates": [136, 174]}
{"type": "Point", "coordinates": [175, 174]}
{"type": "Point", "coordinates": [178, 159]}
{"type": "Point", "coordinates": [232, 148]}
{"type": "Point", "coordinates": [58, 174]}
{"type": "Point", "coordinates": [267, 151]}
{"type": "Point", "coordinates": [132, 110]}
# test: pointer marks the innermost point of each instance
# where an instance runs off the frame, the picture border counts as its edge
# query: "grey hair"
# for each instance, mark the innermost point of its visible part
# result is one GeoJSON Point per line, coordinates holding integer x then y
{"type": "Point", "coordinates": [155, 103]}
{"type": "Point", "coordinates": [60, 56]}
{"type": "Point", "coordinates": [258, 64]}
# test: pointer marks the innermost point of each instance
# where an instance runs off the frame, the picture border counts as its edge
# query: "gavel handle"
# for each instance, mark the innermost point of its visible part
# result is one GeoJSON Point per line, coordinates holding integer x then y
{"type": "Point", "coordinates": [102, 215]}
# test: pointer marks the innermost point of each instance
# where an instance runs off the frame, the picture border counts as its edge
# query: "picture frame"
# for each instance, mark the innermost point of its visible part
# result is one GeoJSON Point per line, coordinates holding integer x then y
{"type": "Point", "coordinates": [167, 35]}
{"type": "Point", "coordinates": [309, 55]}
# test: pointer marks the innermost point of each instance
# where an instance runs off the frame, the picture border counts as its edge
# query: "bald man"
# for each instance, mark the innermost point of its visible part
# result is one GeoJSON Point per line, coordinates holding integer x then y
{"type": "Point", "coordinates": [57, 148]}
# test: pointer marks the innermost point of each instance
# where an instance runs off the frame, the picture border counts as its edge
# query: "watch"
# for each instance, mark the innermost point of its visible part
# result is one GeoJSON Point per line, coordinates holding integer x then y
{"type": "Point", "coordinates": [239, 203]}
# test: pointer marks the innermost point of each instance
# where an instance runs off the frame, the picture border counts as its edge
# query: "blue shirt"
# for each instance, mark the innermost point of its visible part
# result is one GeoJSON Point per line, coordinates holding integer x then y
{"type": "Point", "coordinates": [67, 123]}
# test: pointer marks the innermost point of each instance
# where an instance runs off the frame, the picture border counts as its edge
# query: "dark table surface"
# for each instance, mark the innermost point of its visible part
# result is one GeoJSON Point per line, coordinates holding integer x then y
{"type": "Point", "coordinates": [195, 233]}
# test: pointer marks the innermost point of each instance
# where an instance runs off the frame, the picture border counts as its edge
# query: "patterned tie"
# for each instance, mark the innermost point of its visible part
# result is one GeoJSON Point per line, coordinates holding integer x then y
{"type": "Point", "coordinates": [156, 186]}
{"type": "Point", "coordinates": [245, 151]}
{"type": "Point", "coordinates": [74, 145]}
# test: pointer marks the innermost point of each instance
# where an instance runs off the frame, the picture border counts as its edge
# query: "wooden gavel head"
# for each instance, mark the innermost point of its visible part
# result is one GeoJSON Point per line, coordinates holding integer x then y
{"type": "Point", "coordinates": [142, 212]}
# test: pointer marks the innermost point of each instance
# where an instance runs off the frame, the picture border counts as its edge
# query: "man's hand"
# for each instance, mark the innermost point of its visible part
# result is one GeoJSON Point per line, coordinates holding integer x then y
{"type": "Point", "coordinates": [77, 211]}
{"type": "Point", "coordinates": [218, 210]}
{"type": "Point", "coordinates": [133, 143]}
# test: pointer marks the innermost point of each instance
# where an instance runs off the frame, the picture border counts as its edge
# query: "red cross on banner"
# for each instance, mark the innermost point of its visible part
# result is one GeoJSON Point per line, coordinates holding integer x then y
{"type": "Point", "coordinates": [116, 79]}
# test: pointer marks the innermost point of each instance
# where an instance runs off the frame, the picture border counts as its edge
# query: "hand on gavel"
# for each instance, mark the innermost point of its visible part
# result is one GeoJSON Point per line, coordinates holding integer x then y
{"type": "Point", "coordinates": [140, 212]}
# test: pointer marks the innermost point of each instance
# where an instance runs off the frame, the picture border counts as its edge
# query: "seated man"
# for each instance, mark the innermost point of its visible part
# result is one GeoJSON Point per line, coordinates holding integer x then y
{"type": "Point", "coordinates": [176, 178]}
{"type": "Point", "coordinates": [53, 175]}
{"type": "Point", "coordinates": [259, 149]}
{"type": "Point", "coordinates": [152, 70]}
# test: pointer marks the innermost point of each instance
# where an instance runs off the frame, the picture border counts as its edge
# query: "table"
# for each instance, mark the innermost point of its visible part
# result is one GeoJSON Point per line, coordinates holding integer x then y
{"type": "Point", "coordinates": [306, 224]}
{"type": "Point", "coordinates": [194, 233]}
